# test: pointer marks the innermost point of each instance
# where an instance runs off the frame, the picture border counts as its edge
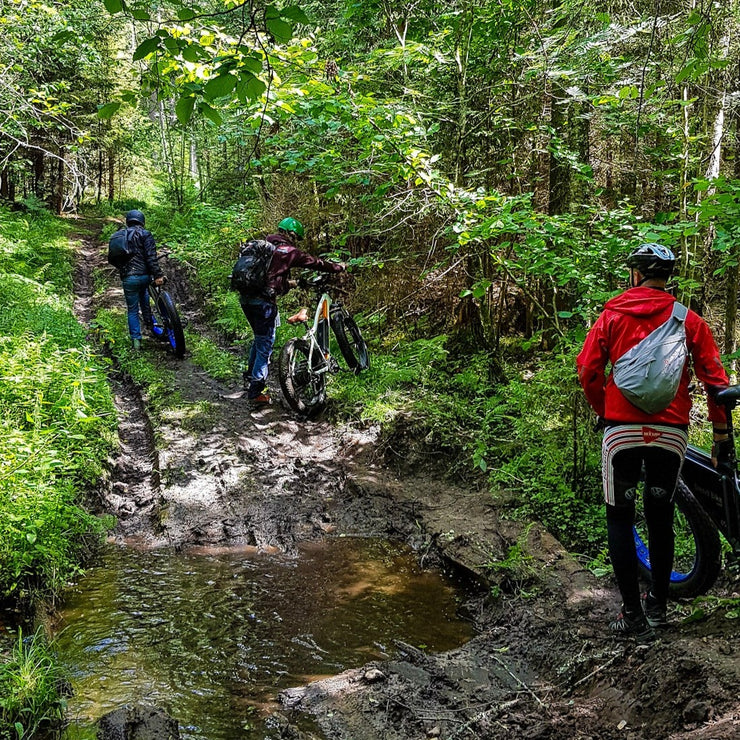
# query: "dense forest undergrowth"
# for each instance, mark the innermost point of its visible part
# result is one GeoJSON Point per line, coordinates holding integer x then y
{"type": "Point", "coordinates": [482, 168]}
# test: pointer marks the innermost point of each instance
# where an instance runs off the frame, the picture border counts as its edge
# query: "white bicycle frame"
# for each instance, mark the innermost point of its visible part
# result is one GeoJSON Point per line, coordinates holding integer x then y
{"type": "Point", "coordinates": [318, 335]}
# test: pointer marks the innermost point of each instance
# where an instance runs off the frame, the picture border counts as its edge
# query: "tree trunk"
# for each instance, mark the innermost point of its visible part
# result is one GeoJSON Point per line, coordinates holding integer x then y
{"type": "Point", "coordinates": [559, 169]}
{"type": "Point", "coordinates": [111, 175]}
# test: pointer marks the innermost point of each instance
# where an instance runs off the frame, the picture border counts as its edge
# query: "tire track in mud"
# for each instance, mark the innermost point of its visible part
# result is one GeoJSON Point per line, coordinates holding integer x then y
{"type": "Point", "coordinates": [214, 471]}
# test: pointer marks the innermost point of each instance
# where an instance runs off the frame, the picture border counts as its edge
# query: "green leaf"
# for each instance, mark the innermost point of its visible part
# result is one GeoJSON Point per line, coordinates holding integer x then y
{"type": "Point", "coordinates": [108, 110]}
{"type": "Point", "coordinates": [185, 14]}
{"type": "Point", "coordinates": [113, 6]}
{"type": "Point", "coordinates": [219, 86]}
{"type": "Point", "coordinates": [211, 113]}
{"type": "Point", "coordinates": [184, 109]}
{"type": "Point", "coordinates": [294, 13]}
{"type": "Point", "coordinates": [31, 537]}
{"type": "Point", "coordinates": [254, 88]}
{"type": "Point", "coordinates": [172, 45]}
{"type": "Point", "coordinates": [687, 71]}
{"type": "Point", "coordinates": [253, 64]}
{"type": "Point", "coordinates": [146, 47]}
{"type": "Point", "coordinates": [191, 53]}
{"type": "Point", "coordinates": [281, 30]}
{"type": "Point", "coordinates": [140, 15]}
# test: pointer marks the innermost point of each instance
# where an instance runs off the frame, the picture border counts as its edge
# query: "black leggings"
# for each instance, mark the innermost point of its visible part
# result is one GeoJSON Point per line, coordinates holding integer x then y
{"type": "Point", "coordinates": [661, 473]}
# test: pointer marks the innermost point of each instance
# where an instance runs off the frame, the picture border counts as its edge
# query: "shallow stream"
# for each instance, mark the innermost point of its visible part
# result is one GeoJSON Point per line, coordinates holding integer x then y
{"type": "Point", "coordinates": [212, 636]}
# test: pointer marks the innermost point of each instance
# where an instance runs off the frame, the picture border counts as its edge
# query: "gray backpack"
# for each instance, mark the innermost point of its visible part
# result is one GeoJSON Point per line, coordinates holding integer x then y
{"type": "Point", "coordinates": [648, 375]}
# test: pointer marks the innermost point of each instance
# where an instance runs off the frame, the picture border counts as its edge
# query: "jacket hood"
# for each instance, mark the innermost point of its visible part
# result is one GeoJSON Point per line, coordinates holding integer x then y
{"type": "Point", "coordinates": [640, 301]}
{"type": "Point", "coordinates": [279, 239]}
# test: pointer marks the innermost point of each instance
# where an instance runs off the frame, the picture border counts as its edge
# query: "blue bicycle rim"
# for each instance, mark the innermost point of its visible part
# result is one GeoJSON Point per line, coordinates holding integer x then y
{"type": "Point", "coordinates": [643, 555]}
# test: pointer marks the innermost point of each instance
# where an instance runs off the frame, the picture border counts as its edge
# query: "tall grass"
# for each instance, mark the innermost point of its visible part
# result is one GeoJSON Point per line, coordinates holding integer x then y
{"type": "Point", "coordinates": [31, 689]}
{"type": "Point", "coordinates": [57, 419]}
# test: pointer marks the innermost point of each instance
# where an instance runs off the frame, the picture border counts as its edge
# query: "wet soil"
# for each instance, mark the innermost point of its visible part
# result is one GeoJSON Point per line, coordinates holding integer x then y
{"type": "Point", "coordinates": [542, 664]}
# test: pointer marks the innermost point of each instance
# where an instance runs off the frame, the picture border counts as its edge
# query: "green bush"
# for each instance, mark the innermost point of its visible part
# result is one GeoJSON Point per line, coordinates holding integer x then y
{"type": "Point", "coordinates": [31, 683]}
{"type": "Point", "coordinates": [57, 418]}
{"type": "Point", "coordinates": [519, 433]}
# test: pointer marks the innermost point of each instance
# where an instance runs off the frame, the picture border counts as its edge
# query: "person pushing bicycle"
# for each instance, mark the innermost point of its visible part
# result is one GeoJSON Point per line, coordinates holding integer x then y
{"type": "Point", "coordinates": [137, 272]}
{"type": "Point", "coordinates": [260, 308]}
{"type": "Point", "coordinates": [635, 439]}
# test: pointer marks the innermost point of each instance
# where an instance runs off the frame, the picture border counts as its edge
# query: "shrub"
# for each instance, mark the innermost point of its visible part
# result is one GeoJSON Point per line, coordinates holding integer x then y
{"type": "Point", "coordinates": [30, 689]}
{"type": "Point", "coordinates": [57, 418]}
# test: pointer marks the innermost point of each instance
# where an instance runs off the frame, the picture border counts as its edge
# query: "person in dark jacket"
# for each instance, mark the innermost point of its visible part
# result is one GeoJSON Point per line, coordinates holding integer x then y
{"type": "Point", "coordinates": [137, 273]}
{"type": "Point", "coordinates": [262, 311]}
{"type": "Point", "coordinates": [635, 440]}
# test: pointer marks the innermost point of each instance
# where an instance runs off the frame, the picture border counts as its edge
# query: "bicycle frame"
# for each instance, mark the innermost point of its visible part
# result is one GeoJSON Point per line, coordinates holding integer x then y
{"type": "Point", "coordinates": [318, 336]}
{"type": "Point", "coordinates": [717, 489]}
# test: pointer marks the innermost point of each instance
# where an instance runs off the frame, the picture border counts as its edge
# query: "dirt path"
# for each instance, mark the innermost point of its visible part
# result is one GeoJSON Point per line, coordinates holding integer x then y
{"type": "Point", "coordinates": [542, 665]}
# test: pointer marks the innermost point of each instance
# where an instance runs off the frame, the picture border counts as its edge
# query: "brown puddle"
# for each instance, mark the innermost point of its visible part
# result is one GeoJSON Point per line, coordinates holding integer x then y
{"type": "Point", "coordinates": [212, 636]}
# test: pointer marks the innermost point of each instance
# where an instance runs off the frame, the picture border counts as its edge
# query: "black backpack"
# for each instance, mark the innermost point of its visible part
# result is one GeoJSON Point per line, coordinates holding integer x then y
{"type": "Point", "coordinates": [249, 275]}
{"type": "Point", "coordinates": [121, 246]}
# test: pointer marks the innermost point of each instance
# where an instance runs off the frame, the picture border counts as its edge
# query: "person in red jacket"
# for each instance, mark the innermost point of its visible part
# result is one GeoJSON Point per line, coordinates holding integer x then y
{"type": "Point", "coordinates": [262, 312]}
{"type": "Point", "coordinates": [635, 440]}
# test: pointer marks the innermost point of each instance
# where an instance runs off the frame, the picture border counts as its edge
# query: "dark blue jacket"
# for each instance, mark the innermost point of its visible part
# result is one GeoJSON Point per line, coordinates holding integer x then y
{"type": "Point", "coordinates": [144, 260]}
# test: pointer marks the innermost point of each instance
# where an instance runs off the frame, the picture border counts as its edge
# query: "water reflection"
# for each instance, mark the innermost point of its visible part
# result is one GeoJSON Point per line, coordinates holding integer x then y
{"type": "Point", "coordinates": [212, 637]}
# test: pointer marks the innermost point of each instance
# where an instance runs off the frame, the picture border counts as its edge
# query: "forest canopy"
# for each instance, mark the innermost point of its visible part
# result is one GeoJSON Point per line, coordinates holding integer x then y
{"type": "Point", "coordinates": [523, 145]}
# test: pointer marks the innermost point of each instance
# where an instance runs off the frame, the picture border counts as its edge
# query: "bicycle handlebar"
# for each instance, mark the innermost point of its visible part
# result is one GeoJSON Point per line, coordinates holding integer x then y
{"type": "Point", "coordinates": [315, 281]}
{"type": "Point", "coordinates": [728, 397]}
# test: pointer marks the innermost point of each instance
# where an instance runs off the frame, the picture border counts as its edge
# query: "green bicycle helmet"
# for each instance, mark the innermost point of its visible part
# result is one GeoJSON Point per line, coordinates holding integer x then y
{"type": "Point", "coordinates": [292, 226]}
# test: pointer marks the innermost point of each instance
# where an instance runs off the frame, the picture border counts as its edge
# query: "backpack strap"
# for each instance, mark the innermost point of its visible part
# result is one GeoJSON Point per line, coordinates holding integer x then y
{"type": "Point", "coordinates": [680, 312]}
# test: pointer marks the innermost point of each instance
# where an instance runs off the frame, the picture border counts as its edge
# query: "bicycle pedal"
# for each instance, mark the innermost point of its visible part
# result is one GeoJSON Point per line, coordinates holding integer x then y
{"type": "Point", "coordinates": [333, 365]}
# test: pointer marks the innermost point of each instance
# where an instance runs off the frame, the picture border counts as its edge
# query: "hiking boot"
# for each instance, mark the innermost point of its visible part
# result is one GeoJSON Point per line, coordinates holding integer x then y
{"type": "Point", "coordinates": [654, 611]}
{"type": "Point", "coordinates": [262, 400]}
{"type": "Point", "coordinates": [136, 344]}
{"type": "Point", "coordinates": [632, 625]}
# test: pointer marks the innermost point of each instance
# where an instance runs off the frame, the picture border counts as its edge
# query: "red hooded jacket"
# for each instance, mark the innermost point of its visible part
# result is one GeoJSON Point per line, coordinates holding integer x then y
{"type": "Point", "coordinates": [627, 319]}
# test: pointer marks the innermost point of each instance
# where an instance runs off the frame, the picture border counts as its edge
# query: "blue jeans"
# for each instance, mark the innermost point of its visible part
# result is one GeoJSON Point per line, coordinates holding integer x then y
{"type": "Point", "coordinates": [262, 318]}
{"type": "Point", "coordinates": [134, 290]}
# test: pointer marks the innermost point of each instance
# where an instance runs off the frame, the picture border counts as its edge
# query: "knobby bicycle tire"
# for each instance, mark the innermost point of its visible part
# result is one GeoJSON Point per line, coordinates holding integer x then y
{"type": "Point", "coordinates": [169, 319]}
{"type": "Point", "coordinates": [698, 556]}
{"type": "Point", "coordinates": [350, 340]}
{"type": "Point", "coordinates": [303, 388]}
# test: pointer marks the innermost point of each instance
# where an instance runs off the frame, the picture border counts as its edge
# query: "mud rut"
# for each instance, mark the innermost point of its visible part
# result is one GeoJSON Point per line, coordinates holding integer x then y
{"type": "Point", "coordinates": [542, 665]}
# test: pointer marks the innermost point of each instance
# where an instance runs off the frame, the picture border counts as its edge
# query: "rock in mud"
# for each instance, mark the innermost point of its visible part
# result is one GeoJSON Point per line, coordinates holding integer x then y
{"type": "Point", "coordinates": [138, 722]}
{"type": "Point", "coordinates": [695, 711]}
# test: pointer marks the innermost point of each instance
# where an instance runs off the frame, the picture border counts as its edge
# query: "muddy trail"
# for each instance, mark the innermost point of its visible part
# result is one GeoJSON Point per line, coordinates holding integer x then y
{"type": "Point", "coordinates": [541, 665]}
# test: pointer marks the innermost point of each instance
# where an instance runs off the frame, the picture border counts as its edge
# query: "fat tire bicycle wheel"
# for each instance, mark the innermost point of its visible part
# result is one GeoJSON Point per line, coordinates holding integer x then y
{"type": "Point", "coordinates": [350, 341]}
{"type": "Point", "coordinates": [303, 388]}
{"type": "Point", "coordinates": [698, 558]}
{"type": "Point", "coordinates": [167, 322]}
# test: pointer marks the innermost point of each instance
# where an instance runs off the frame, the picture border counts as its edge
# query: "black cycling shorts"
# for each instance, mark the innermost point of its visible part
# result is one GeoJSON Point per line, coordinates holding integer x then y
{"type": "Point", "coordinates": [627, 449]}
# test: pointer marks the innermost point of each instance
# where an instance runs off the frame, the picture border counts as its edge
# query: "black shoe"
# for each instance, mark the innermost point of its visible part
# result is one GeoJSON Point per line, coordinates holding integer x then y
{"type": "Point", "coordinates": [655, 612]}
{"type": "Point", "coordinates": [632, 625]}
